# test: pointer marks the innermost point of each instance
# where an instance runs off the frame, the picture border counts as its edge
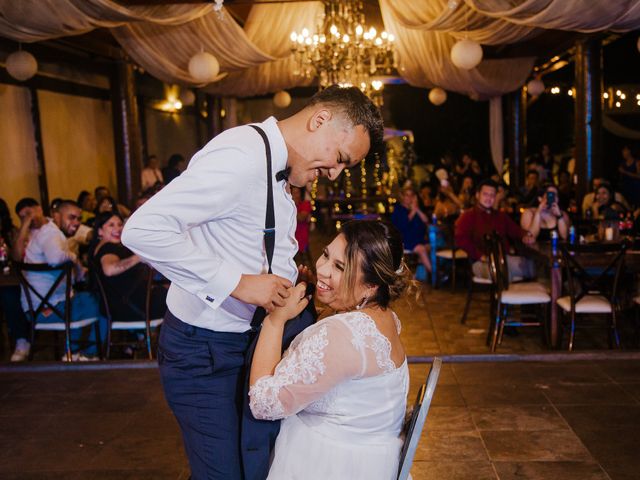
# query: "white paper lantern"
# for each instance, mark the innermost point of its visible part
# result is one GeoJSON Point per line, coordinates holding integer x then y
{"type": "Point", "coordinates": [466, 54]}
{"type": "Point", "coordinates": [535, 87]}
{"type": "Point", "coordinates": [282, 99]}
{"type": "Point", "coordinates": [437, 96]}
{"type": "Point", "coordinates": [204, 67]}
{"type": "Point", "coordinates": [187, 97]}
{"type": "Point", "coordinates": [21, 65]}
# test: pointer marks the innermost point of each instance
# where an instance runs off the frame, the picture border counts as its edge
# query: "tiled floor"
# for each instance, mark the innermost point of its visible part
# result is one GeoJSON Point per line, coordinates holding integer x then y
{"type": "Point", "coordinates": [548, 420]}
{"type": "Point", "coordinates": [560, 419]}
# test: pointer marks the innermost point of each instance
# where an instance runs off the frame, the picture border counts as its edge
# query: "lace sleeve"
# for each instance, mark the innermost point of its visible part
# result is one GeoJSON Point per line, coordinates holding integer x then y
{"type": "Point", "coordinates": [319, 358]}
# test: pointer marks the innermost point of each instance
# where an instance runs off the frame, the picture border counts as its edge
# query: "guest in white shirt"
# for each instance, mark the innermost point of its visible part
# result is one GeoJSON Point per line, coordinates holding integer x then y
{"type": "Point", "coordinates": [204, 232]}
{"type": "Point", "coordinates": [151, 173]}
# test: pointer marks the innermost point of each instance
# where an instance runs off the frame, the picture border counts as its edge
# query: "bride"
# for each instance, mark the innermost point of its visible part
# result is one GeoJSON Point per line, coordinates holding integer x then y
{"type": "Point", "coordinates": [342, 385]}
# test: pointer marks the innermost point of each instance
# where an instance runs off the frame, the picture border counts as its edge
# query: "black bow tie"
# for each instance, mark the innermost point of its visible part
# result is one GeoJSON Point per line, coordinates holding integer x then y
{"type": "Point", "coordinates": [283, 174]}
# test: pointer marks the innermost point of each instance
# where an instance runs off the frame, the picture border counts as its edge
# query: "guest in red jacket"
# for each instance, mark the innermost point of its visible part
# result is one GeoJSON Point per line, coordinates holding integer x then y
{"type": "Point", "coordinates": [474, 224]}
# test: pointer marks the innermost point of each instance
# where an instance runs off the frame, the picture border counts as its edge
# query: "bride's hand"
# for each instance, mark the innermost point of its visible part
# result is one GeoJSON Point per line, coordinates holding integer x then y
{"type": "Point", "coordinates": [295, 303]}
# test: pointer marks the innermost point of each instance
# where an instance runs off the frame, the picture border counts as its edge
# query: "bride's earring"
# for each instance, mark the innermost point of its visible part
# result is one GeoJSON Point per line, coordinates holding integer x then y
{"type": "Point", "coordinates": [362, 303]}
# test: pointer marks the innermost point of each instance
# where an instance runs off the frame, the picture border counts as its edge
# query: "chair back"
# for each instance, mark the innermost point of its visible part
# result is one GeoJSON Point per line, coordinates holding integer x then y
{"type": "Point", "coordinates": [416, 422]}
{"type": "Point", "coordinates": [36, 301]}
{"type": "Point", "coordinates": [590, 268]}
{"type": "Point", "coordinates": [498, 266]}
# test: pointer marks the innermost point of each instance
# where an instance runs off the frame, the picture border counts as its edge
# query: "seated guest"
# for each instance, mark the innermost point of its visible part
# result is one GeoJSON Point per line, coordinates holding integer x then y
{"type": "Point", "coordinates": [565, 190]}
{"type": "Point", "coordinates": [505, 201]}
{"type": "Point", "coordinates": [342, 385]}
{"type": "Point", "coordinates": [530, 191]}
{"type": "Point", "coordinates": [151, 174]}
{"type": "Point", "coordinates": [17, 326]}
{"type": "Point", "coordinates": [412, 224]}
{"type": "Point", "coordinates": [87, 203]}
{"type": "Point", "coordinates": [629, 182]}
{"type": "Point", "coordinates": [589, 198]}
{"type": "Point", "coordinates": [474, 224]}
{"type": "Point", "coordinates": [121, 273]}
{"type": "Point", "coordinates": [427, 199]}
{"type": "Point", "coordinates": [605, 207]}
{"type": "Point", "coordinates": [101, 191]}
{"type": "Point", "coordinates": [466, 192]}
{"type": "Point", "coordinates": [540, 221]}
{"type": "Point", "coordinates": [27, 210]}
{"type": "Point", "coordinates": [447, 202]}
{"type": "Point", "coordinates": [48, 244]}
{"type": "Point", "coordinates": [175, 167]}
{"type": "Point", "coordinates": [303, 219]}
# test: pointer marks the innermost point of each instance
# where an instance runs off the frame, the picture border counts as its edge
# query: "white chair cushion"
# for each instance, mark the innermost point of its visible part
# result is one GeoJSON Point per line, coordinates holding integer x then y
{"type": "Point", "coordinates": [59, 326]}
{"type": "Point", "coordinates": [587, 304]}
{"type": "Point", "coordinates": [448, 254]}
{"type": "Point", "coordinates": [482, 280]}
{"type": "Point", "coordinates": [525, 293]}
{"type": "Point", "coordinates": [139, 325]}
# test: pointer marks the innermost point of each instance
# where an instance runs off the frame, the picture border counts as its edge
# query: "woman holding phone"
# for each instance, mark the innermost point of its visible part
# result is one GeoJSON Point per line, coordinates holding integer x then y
{"type": "Point", "coordinates": [541, 220]}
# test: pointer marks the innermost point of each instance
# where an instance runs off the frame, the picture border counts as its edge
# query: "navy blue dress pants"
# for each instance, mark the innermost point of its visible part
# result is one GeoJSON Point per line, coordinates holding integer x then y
{"type": "Point", "coordinates": [202, 374]}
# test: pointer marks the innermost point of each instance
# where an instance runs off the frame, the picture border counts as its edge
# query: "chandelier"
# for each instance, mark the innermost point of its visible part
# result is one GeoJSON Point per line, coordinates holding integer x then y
{"type": "Point", "coordinates": [344, 50]}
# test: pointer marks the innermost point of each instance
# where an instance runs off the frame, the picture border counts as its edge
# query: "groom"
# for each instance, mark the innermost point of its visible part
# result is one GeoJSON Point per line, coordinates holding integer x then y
{"type": "Point", "coordinates": [204, 231]}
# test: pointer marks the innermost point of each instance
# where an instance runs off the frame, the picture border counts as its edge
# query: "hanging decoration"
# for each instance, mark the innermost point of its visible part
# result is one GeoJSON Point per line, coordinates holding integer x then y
{"type": "Point", "coordinates": [437, 96]}
{"type": "Point", "coordinates": [535, 87]}
{"type": "Point", "coordinates": [282, 99]}
{"type": "Point", "coordinates": [187, 97]}
{"type": "Point", "coordinates": [21, 65]}
{"type": "Point", "coordinates": [466, 54]}
{"type": "Point", "coordinates": [203, 67]}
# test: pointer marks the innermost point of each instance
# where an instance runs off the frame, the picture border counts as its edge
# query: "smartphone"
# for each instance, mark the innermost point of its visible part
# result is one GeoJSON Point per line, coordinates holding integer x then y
{"type": "Point", "coordinates": [551, 198]}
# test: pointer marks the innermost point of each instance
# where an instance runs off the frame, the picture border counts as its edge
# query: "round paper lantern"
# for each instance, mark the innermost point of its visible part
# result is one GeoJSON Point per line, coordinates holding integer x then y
{"type": "Point", "coordinates": [437, 96]}
{"type": "Point", "coordinates": [21, 65]}
{"type": "Point", "coordinates": [535, 87]}
{"type": "Point", "coordinates": [282, 99]}
{"type": "Point", "coordinates": [466, 54]}
{"type": "Point", "coordinates": [204, 67]}
{"type": "Point", "coordinates": [187, 97]}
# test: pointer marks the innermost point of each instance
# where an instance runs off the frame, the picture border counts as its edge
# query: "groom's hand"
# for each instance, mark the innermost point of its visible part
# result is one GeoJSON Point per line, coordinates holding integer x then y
{"type": "Point", "coordinates": [266, 290]}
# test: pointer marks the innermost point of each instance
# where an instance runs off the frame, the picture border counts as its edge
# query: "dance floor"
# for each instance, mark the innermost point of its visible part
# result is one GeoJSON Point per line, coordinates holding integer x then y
{"type": "Point", "coordinates": [498, 420]}
{"type": "Point", "coordinates": [521, 414]}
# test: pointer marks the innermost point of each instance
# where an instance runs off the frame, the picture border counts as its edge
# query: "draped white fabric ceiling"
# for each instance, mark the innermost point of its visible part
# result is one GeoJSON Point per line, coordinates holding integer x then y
{"type": "Point", "coordinates": [255, 59]}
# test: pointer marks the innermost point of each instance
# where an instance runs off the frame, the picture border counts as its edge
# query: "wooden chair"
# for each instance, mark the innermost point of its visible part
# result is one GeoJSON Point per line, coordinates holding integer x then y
{"type": "Point", "coordinates": [38, 303]}
{"type": "Point", "coordinates": [592, 281]}
{"type": "Point", "coordinates": [145, 326]}
{"type": "Point", "coordinates": [513, 294]}
{"type": "Point", "coordinates": [449, 253]}
{"type": "Point", "coordinates": [413, 428]}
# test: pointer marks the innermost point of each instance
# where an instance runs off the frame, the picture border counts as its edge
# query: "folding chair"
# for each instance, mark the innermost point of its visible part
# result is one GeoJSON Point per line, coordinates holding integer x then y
{"type": "Point", "coordinates": [38, 304]}
{"type": "Point", "coordinates": [449, 253]}
{"type": "Point", "coordinates": [144, 325]}
{"type": "Point", "coordinates": [413, 427]}
{"type": "Point", "coordinates": [513, 294]}
{"type": "Point", "coordinates": [590, 270]}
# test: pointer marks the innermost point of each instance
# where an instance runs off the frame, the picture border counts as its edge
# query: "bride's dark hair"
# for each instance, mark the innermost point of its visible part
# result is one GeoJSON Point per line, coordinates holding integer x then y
{"type": "Point", "coordinates": [376, 248]}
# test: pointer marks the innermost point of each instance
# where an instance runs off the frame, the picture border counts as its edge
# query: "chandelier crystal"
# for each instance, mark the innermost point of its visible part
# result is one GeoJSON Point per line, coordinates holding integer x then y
{"type": "Point", "coordinates": [344, 50]}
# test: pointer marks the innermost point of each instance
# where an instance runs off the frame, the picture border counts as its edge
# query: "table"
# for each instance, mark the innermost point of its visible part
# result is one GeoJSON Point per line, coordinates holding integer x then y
{"type": "Point", "coordinates": [542, 251]}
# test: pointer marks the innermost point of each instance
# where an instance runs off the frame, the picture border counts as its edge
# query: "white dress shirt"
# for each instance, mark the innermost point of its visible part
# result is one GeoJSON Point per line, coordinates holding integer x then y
{"type": "Point", "coordinates": [205, 229]}
{"type": "Point", "coordinates": [47, 244]}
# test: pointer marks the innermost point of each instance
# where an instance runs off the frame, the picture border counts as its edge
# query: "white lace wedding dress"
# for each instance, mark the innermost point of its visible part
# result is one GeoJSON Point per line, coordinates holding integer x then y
{"type": "Point", "coordinates": [342, 399]}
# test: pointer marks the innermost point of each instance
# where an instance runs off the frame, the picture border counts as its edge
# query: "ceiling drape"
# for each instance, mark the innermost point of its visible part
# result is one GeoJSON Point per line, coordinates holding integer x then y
{"type": "Point", "coordinates": [256, 59]}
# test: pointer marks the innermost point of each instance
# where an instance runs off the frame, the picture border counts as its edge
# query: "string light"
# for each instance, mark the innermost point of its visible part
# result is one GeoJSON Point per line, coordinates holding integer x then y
{"type": "Point", "coordinates": [314, 195]}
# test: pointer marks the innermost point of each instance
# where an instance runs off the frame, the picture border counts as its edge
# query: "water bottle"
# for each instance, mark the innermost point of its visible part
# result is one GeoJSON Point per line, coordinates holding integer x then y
{"type": "Point", "coordinates": [572, 235]}
{"type": "Point", "coordinates": [4, 258]}
{"type": "Point", "coordinates": [554, 241]}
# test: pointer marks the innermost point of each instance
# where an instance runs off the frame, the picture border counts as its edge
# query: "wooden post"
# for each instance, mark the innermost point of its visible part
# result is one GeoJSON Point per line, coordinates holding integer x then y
{"type": "Point", "coordinates": [126, 129]}
{"type": "Point", "coordinates": [517, 137]}
{"type": "Point", "coordinates": [588, 113]}
{"type": "Point", "coordinates": [37, 134]}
